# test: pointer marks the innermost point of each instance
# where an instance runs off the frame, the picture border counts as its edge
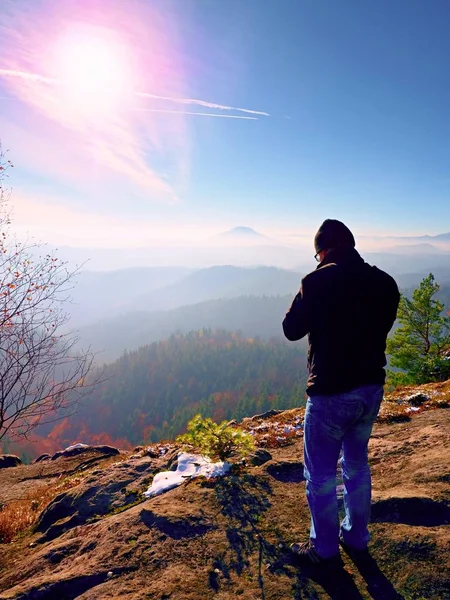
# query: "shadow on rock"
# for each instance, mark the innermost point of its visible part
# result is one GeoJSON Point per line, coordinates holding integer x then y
{"type": "Point", "coordinates": [175, 528]}
{"type": "Point", "coordinates": [378, 585]}
{"type": "Point", "coordinates": [243, 499]}
{"type": "Point", "coordinates": [423, 512]}
{"type": "Point", "coordinates": [334, 580]}
{"type": "Point", "coordinates": [287, 472]}
{"type": "Point", "coordinates": [73, 587]}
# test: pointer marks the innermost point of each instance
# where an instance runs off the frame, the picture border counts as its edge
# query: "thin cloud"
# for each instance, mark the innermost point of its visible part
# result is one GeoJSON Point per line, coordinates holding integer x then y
{"type": "Point", "coordinates": [197, 114]}
{"type": "Point", "coordinates": [203, 103]}
{"type": "Point", "coordinates": [28, 76]}
{"type": "Point", "coordinates": [186, 101]}
{"type": "Point", "coordinates": [113, 141]}
{"type": "Point", "coordinates": [94, 138]}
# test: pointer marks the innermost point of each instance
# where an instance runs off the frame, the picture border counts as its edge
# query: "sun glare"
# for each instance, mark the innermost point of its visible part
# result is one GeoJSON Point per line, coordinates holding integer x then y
{"type": "Point", "coordinates": [93, 70]}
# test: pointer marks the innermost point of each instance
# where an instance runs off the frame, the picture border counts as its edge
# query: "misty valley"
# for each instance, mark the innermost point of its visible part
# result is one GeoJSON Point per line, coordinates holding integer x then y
{"type": "Point", "coordinates": [172, 342]}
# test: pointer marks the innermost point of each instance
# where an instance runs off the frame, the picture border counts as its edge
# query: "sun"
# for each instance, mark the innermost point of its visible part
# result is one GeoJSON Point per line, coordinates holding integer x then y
{"type": "Point", "coordinates": [93, 69]}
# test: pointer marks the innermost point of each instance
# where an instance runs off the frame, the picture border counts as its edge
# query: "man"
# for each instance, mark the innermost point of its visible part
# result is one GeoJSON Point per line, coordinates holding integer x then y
{"type": "Point", "coordinates": [347, 308]}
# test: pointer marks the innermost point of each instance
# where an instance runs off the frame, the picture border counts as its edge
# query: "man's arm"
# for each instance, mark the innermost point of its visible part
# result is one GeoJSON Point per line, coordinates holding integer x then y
{"type": "Point", "coordinates": [392, 304]}
{"type": "Point", "coordinates": [297, 322]}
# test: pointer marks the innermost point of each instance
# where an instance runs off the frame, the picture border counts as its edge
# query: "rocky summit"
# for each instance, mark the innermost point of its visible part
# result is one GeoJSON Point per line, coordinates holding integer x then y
{"type": "Point", "coordinates": [89, 532]}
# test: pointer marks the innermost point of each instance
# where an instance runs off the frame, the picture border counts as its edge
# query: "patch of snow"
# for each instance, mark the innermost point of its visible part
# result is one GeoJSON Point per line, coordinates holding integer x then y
{"type": "Point", "coordinates": [291, 428]}
{"type": "Point", "coordinates": [189, 465]}
{"type": "Point", "coordinates": [413, 408]}
{"type": "Point", "coordinates": [79, 445]}
{"type": "Point", "coordinates": [264, 426]}
{"type": "Point", "coordinates": [164, 449]}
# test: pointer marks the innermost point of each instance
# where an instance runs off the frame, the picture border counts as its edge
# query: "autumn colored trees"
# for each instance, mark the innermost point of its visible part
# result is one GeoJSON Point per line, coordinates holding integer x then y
{"type": "Point", "coordinates": [151, 394]}
{"type": "Point", "coordinates": [41, 375]}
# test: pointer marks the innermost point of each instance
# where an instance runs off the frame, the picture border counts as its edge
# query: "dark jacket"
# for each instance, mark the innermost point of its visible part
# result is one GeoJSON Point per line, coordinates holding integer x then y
{"type": "Point", "coordinates": [347, 308]}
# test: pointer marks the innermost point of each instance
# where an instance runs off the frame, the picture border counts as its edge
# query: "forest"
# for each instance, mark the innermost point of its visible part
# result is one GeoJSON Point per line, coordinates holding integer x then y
{"type": "Point", "coordinates": [150, 394]}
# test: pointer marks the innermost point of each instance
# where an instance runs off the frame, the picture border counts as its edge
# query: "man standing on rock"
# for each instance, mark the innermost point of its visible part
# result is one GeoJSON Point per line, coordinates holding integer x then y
{"type": "Point", "coordinates": [347, 308]}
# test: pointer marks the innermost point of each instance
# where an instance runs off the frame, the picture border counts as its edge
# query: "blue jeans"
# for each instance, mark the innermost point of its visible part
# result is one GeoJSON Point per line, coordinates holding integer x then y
{"type": "Point", "coordinates": [334, 423]}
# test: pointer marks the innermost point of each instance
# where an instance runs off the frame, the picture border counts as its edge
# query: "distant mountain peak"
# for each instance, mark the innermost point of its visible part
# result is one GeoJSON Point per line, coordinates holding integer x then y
{"type": "Point", "coordinates": [441, 237]}
{"type": "Point", "coordinates": [245, 230]}
{"type": "Point", "coordinates": [241, 231]}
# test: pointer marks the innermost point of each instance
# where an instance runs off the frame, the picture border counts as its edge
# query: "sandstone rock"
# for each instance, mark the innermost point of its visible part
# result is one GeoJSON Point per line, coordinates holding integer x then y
{"type": "Point", "coordinates": [417, 399]}
{"type": "Point", "coordinates": [9, 460]}
{"type": "Point", "coordinates": [215, 538]}
{"type": "Point", "coordinates": [259, 457]}
{"type": "Point", "coordinates": [265, 415]}
{"type": "Point", "coordinates": [106, 450]}
{"type": "Point", "coordinates": [100, 494]}
{"type": "Point", "coordinates": [42, 457]}
{"type": "Point", "coordinates": [151, 452]}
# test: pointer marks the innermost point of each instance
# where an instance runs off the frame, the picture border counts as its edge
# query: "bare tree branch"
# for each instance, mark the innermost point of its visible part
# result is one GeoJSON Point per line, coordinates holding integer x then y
{"type": "Point", "coordinates": [42, 376]}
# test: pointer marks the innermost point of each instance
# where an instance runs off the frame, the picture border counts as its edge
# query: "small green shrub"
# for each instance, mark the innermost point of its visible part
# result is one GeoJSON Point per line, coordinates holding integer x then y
{"type": "Point", "coordinates": [216, 440]}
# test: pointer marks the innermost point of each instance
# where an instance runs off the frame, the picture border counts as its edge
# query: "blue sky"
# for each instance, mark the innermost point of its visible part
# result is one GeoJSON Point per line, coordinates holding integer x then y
{"type": "Point", "coordinates": [94, 99]}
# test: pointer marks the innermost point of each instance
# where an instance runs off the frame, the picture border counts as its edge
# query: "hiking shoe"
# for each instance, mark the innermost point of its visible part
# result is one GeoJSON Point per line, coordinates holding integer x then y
{"type": "Point", "coordinates": [306, 552]}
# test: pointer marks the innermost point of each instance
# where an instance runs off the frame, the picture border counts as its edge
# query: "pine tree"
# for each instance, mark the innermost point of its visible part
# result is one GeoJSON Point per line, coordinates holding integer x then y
{"type": "Point", "coordinates": [420, 347]}
{"type": "Point", "coordinates": [216, 440]}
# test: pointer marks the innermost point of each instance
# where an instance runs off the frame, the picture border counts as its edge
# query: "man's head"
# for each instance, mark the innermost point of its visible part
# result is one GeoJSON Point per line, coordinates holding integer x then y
{"type": "Point", "coordinates": [330, 235]}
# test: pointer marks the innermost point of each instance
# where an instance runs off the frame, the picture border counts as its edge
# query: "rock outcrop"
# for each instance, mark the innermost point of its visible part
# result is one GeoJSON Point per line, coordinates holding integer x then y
{"type": "Point", "coordinates": [42, 457]}
{"type": "Point", "coordinates": [9, 460]}
{"type": "Point", "coordinates": [226, 538]}
{"type": "Point", "coordinates": [84, 448]}
{"type": "Point", "coordinates": [102, 493]}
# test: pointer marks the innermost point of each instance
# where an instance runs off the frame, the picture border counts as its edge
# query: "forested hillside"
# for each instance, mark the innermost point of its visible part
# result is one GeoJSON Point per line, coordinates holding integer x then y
{"type": "Point", "coordinates": [100, 295]}
{"type": "Point", "coordinates": [150, 394]}
{"type": "Point", "coordinates": [221, 282]}
{"type": "Point", "coordinates": [252, 316]}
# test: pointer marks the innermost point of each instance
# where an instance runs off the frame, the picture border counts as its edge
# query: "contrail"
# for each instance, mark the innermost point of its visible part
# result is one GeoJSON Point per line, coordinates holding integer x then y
{"type": "Point", "coordinates": [199, 114]}
{"type": "Point", "coordinates": [187, 101]}
{"type": "Point", "coordinates": [202, 103]}
{"type": "Point", "coordinates": [29, 76]}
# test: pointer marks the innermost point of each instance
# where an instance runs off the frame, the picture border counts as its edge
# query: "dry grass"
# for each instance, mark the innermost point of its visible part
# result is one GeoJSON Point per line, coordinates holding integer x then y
{"type": "Point", "coordinates": [392, 412]}
{"type": "Point", "coordinates": [269, 432]}
{"type": "Point", "coordinates": [437, 403]}
{"type": "Point", "coordinates": [19, 515]}
{"type": "Point", "coordinates": [397, 407]}
{"type": "Point", "coordinates": [276, 431]}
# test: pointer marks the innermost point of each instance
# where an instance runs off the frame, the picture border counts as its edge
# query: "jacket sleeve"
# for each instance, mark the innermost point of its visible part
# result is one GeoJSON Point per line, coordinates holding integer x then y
{"type": "Point", "coordinates": [297, 322]}
{"type": "Point", "coordinates": [392, 305]}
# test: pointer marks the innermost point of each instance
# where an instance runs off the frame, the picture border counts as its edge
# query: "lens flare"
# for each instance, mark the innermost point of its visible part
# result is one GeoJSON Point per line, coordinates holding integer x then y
{"type": "Point", "coordinates": [94, 70]}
